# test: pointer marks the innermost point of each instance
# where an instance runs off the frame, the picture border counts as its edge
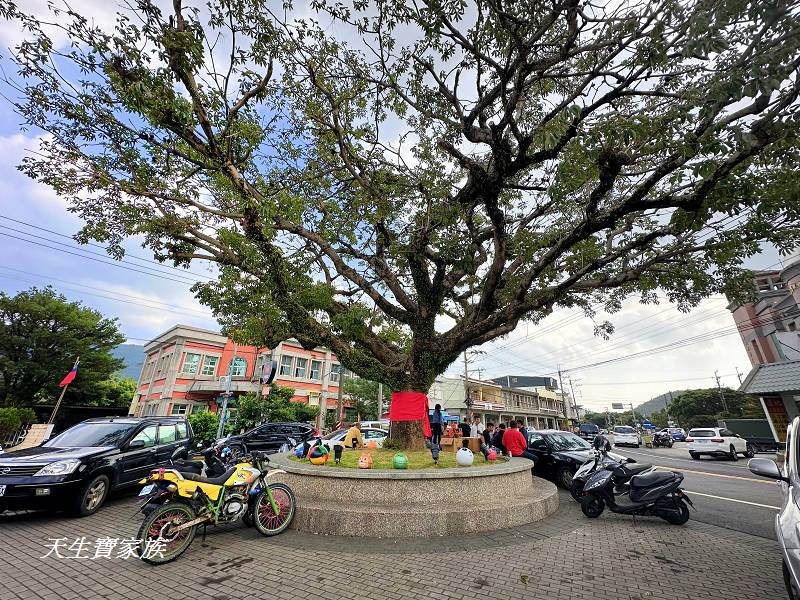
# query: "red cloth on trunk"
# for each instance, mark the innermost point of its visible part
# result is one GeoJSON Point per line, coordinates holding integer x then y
{"type": "Point", "coordinates": [410, 406]}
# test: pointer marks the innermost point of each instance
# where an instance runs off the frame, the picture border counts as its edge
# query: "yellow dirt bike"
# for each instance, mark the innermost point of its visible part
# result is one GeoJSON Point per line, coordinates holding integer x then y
{"type": "Point", "coordinates": [176, 503]}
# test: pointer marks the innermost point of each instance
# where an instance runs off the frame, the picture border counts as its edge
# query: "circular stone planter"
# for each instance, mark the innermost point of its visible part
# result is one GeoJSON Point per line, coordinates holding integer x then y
{"type": "Point", "coordinates": [424, 503]}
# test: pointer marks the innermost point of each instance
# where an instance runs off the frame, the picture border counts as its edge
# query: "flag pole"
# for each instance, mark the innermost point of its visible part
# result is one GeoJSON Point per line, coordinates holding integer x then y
{"type": "Point", "coordinates": [61, 396]}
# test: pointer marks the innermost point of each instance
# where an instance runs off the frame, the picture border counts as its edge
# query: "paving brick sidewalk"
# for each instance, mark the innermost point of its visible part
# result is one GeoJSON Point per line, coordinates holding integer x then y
{"type": "Point", "coordinates": [566, 556]}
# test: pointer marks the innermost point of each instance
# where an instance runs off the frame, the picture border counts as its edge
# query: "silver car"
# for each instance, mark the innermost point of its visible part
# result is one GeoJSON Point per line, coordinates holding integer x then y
{"type": "Point", "coordinates": [788, 519]}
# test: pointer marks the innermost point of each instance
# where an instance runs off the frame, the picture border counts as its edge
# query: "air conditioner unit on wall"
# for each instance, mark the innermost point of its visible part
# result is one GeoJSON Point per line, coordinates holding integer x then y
{"type": "Point", "coordinates": [222, 379]}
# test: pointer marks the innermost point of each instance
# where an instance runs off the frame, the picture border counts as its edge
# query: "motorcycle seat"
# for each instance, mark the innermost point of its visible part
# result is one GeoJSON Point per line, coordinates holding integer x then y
{"type": "Point", "coordinates": [651, 479]}
{"type": "Point", "coordinates": [212, 480]}
{"type": "Point", "coordinates": [637, 468]}
{"type": "Point", "coordinates": [191, 466]}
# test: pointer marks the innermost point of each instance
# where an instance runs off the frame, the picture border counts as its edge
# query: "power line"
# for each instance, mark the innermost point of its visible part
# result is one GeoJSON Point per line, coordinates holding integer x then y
{"type": "Point", "coordinates": [127, 254]}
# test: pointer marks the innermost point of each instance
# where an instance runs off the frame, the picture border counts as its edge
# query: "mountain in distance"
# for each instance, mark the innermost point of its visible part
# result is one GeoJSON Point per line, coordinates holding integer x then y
{"type": "Point", "coordinates": [657, 403]}
{"type": "Point", "coordinates": [133, 355]}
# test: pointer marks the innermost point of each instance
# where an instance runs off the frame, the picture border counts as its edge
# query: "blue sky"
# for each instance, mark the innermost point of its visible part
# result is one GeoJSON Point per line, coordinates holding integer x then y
{"type": "Point", "coordinates": [149, 298]}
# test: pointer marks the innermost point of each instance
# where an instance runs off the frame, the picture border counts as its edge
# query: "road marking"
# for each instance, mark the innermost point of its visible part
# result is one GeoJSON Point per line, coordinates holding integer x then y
{"type": "Point", "coordinates": [718, 475]}
{"type": "Point", "coordinates": [662, 457]}
{"type": "Point", "coordinates": [733, 500]}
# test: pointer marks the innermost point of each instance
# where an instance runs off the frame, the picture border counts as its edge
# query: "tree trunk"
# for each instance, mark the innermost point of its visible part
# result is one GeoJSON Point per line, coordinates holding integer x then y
{"type": "Point", "coordinates": [408, 434]}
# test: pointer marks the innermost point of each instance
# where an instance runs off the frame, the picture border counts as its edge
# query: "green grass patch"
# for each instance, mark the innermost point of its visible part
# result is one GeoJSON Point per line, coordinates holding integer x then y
{"type": "Point", "coordinates": [418, 459]}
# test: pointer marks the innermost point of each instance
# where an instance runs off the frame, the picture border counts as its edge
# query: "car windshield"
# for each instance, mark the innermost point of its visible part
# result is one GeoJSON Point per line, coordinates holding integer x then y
{"type": "Point", "coordinates": [624, 430]}
{"type": "Point", "coordinates": [702, 433]}
{"type": "Point", "coordinates": [334, 434]}
{"type": "Point", "coordinates": [85, 435]}
{"type": "Point", "coordinates": [589, 428]}
{"type": "Point", "coordinates": [566, 441]}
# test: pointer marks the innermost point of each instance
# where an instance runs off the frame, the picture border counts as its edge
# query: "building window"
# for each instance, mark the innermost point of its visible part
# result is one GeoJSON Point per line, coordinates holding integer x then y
{"type": "Point", "coordinates": [209, 365]}
{"type": "Point", "coordinates": [334, 374]}
{"type": "Point", "coordinates": [198, 408]}
{"type": "Point", "coordinates": [238, 367]}
{"type": "Point", "coordinates": [316, 367]}
{"type": "Point", "coordinates": [300, 368]}
{"type": "Point", "coordinates": [286, 366]}
{"type": "Point", "coordinates": [190, 363]}
{"type": "Point", "coordinates": [179, 409]}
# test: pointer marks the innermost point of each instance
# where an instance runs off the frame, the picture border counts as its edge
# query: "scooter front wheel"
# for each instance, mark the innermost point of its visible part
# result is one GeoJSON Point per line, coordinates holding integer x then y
{"type": "Point", "coordinates": [592, 506]}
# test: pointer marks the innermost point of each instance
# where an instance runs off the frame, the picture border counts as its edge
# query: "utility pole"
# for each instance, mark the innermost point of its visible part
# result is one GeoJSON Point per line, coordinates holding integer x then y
{"type": "Point", "coordinates": [380, 400]}
{"type": "Point", "coordinates": [223, 415]}
{"type": "Point", "coordinates": [721, 393]}
{"type": "Point", "coordinates": [340, 396]}
{"type": "Point", "coordinates": [560, 382]}
{"type": "Point", "coordinates": [574, 401]}
{"type": "Point", "coordinates": [739, 375]}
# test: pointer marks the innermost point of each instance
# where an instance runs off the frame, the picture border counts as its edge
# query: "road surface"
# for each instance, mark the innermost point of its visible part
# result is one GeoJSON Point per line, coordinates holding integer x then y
{"type": "Point", "coordinates": [725, 493]}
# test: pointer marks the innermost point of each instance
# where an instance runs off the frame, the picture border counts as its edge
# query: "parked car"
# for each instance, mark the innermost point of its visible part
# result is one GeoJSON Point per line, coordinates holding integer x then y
{"type": "Point", "coordinates": [269, 437]}
{"type": "Point", "coordinates": [787, 522]}
{"type": "Point", "coordinates": [678, 434]}
{"type": "Point", "coordinates": [370, 434]}
{"type": "Point", "coordinates": [717, 441]}
{"type": "Point", "coordinates": [588, 431]}
{"type": "Point", "coordinates": [382, 424]}
{"type": "Point", "coordinates": [76, 469]}
{"type": "Point", "coordinates": [560, 454]}
{"type": "Point", "coordinates": [625, 435]}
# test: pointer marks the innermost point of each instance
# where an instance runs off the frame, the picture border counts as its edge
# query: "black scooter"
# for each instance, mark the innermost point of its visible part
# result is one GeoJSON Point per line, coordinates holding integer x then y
{"type": "Point", "coordinates": [622, 470]}
{"type": "Point", "coordinates": [663, 439]}
{"type": "Point", "coordinates": [657, 493]}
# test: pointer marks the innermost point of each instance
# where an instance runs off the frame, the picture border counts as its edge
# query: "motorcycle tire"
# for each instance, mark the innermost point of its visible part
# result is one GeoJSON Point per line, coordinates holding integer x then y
{"type": "Point", "coordinates": [265, 520]}
{"type": "Point", "coordinates": [576, 491]}
{"type": "Point", "coordinates": [681, 517]}
{"type": "Point", "coordinates": [592, 506]}
{"type": "Point", "coordinates": [153, 526]}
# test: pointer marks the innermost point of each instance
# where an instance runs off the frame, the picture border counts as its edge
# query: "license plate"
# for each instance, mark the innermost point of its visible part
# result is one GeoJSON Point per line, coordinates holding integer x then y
{"type": "Point", "coordinates": [2, 490]}
{"type": "Point", "coordinates": [147, 489]}
{"type": "Point", "coordinates": [702, 441]}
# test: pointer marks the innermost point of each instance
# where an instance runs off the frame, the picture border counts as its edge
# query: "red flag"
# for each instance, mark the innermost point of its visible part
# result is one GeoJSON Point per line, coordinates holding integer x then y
{"type": "Point", "coordinates": [70, 376]}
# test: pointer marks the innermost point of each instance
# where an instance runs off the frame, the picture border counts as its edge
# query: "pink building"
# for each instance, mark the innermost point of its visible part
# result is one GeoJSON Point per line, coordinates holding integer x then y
{"type": "Point", "coordinates": [185, 371]}
{"type": "Point", "coordinates": [769, 326]}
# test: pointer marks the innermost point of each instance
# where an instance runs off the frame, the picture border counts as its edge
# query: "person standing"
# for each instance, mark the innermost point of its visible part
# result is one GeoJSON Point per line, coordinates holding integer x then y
{"type": "Point", "coordinates": [522, 430]}
{"type": "Point", "coordinates": [477, 427]}
{"type": "Point", "coordinates": [437, 423]}
{"type": "Point", "coordinates": [466, 429]}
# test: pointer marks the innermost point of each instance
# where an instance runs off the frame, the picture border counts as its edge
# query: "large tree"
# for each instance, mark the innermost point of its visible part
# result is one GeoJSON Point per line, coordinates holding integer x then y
{"type": "Point", "coordinates": [41, 335]}
{"type": "Point", "coordinates": [400, 181]}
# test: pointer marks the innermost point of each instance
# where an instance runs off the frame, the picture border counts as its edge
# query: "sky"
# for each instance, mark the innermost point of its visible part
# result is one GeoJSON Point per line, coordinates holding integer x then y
{"type": "Point", "coordinates": [148, 298]}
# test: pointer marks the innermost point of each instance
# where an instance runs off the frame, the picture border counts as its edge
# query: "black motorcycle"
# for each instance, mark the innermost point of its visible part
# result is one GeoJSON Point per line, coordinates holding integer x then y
{"type": "Point", "coordinates": [622, 469]}
{"type": "Point", "coordinates": [663, 439]}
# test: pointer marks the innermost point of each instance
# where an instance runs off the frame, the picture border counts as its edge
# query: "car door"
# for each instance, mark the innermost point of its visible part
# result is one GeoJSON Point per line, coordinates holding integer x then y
{"type": "Point", "coordinates": [374, 435]}
{"type": "Point", "coordinates": [263, 438]}
{"type": "Point", "coordinates": [139, 455]}
{"type": "Point", "coordinates": [166, 443]}
{"type": "Point", "coordinates": [738, 442]}
{"type": "Point", "coordinates": [538, 445]}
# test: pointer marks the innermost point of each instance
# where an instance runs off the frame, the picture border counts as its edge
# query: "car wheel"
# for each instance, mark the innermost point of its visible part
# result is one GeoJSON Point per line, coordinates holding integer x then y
{"type": "Point", "coordinates": [694, 455]}
{"type": "Point", "coordinates": [751, 452]}
{"type": "Point", "coordinates": [237, 450]}
{"type": "Point", "coordinates": [564, 477]}
{"type": "Point", "coordinates": [732, 454]}
{"type": "Point", "coordinates": [637, 445]}
{"type": "Point", "coordinates": [90, 497]}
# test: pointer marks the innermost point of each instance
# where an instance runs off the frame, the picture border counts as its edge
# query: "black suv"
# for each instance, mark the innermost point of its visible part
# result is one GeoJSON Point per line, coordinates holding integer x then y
{"type": "Point", "coordinates": [269, 437]}
{"type": "Point", "coordinates": [76, 469]}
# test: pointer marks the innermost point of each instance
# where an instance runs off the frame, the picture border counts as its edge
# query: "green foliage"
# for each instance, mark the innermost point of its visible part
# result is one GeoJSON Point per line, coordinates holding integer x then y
{"type": "Point", "coordinates": [702, 408]}
{"type": "Point", "coordinates": [27, 416]}
{"type": "Point", "coordinates": [363, 396]}
{"type": "Point", "coordinates": [391, 444]}
{"type": "Point", "coordinates": [204, 425]}
{"type": "Point", "coordinates": [659, 418]}
{"type": "Point", "coordinates": [114, 391]}
{"type": "Point", "coordinates": [598, 419]}
{"type": "Point", "coordinates": [9, 420]}
{"type": "Point", "coordinates": [276, 407]}
{"type": "Point", "coordinates": [41, 335]}
{"type": "Point", "coordinates": [398, 211]}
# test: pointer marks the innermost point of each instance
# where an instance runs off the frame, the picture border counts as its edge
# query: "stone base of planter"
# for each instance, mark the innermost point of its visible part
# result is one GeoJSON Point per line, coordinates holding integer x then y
{"type": "Point", "coordinates": [424, 503]}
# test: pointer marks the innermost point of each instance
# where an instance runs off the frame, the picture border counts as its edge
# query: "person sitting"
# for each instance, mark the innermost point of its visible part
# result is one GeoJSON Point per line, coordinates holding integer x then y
{"type": "Point", "coordinates": [522, 429]}
{"type": "Point", "coordinates": [353, 438]}
{"type": "Point", "coordinates": [516, 444]}
{"type": "Point", "coordinates": [466, 429]}
{"type": "Point", "coordinates": [488, 434]}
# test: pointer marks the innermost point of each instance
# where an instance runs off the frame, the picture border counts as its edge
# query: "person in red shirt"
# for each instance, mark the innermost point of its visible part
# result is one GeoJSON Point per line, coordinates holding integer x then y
{"type": "Point", "coordinates": [516, 444]}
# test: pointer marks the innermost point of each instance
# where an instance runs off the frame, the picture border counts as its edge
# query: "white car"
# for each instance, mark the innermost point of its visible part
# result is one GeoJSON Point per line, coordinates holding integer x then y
{"type": "Point", "coordinates": [717, 441]}
{"type": "Point", "coordinates": [625, 435]}
{"type": "Point", "coordinates": [370, 434]}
